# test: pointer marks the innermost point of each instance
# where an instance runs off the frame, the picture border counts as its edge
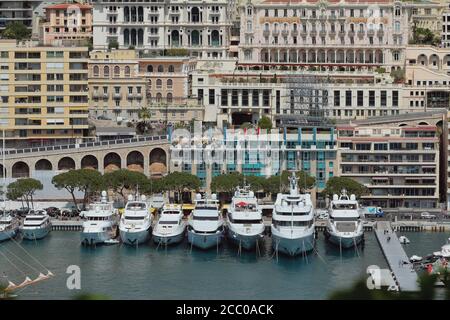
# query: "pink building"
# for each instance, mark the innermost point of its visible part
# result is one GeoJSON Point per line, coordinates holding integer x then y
{"type": "Point", "coordinates": [67, 23]}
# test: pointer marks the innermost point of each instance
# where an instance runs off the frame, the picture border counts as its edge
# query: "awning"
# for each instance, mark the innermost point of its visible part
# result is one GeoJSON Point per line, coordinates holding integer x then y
{"type": "Point", "coordinates": [380, 178]}
{"type": "Point", "coordinates": [188, 207]}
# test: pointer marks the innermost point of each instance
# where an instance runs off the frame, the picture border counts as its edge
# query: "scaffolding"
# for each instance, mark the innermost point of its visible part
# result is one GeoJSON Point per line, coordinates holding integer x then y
{"type": "Point", "coordinates": [306, 102]}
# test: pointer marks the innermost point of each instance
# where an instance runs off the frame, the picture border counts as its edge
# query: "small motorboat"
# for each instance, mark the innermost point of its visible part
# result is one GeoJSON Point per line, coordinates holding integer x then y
{"type": "Point", "coordinates": [404, 240]}
{"type": "Point", "coordinates": [415, 258]}
{"type": "Point", "coordinates": [111, 241]}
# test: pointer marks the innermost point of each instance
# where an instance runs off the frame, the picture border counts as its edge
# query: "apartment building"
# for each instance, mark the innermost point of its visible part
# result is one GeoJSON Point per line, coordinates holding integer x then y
{"type": "Point", "coordinates": [67, 24]}
{"type": "Point", "coordinates": [154, 26]}
{"type": "Point", "coordinates": [258, 153]}
{"type": "Point", "coordinates": [398, 159]}
{"type": "Point", "coordinates": [44, 93]}
{"type": "Point", "coordinates": [332, 34]}
{"type": "Point", "coordinates": [17, 11]}
{"type": "Point", "coordinates": [427, 14]}
{"type": "Point", "coordinates": [445, 31]}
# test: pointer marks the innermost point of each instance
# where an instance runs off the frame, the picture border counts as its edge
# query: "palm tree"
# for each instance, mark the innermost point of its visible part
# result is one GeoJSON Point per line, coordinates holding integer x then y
{"type": "Point", "coordinates": [144, 126]}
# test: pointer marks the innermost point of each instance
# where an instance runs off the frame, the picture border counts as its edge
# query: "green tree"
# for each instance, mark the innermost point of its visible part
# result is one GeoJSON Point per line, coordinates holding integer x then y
{"type": "Point", "coordinates": [86, 181]}
{"type": "Point", "coordinates": [144, 125]}
{"type": "Point", "coordinates": [113, 44]}
{"type": "Point", "coordinates": [265, 123]}
{"type": "Point", "coordinates": [181, 182]}
{"type": "Point", "coordinates": [246, 125]}
{"type": "Point", "coordinates": [336, 184]}
{"type": "Point", "coordinates": [121, 180]}
{"type": "Point", "coordinates": [152, 186]}
{"type": "Point", "coordinates": [256, 183]}
{"type": "Point", "coordinates": [276, 184]}
{"type": "Point", "coordinates": [226, 183]}
{"type": "Point", "coordinates": [24, 189]}
{"type": "Point", "coordinates": [16, 30]}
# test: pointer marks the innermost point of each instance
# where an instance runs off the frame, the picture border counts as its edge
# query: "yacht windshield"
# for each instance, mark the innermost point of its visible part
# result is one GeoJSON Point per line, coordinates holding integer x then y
{"type": "Point", "coordinates": [135, 206]}
{"type": "Point", "coordinates": [171, 212]}
{"type": "Point", "coordinates": [292, 223]}
{"type": "Point", "coordinates": [344, 206]}
{"type": "Point", "coordinates": [168, 222]}
{"type": "Point", "coordinates": [34, 219]}
{"type": "Point", "coordinates": [206, 218]}
{"type": "Point", "coordinates": [346, 219]}
{"type": "Point", "coordinates": [135, 218]}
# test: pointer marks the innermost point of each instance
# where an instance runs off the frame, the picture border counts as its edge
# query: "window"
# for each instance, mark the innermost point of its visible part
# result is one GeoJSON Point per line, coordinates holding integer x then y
{"type": "Point", "coordinates": [348, 98]}
{"type": "Point", "coordinates": [149, 68]}
{"type": "Point", "coordinates": [116, 71]}
{"type": "Point", "coordinates": [127, 71]}
{"type": "Point", "coordinates": [211, 96]}
{"type": "Point", "coordinates": [171, 69]}
{"type": "Point", "coordinates": [169, 84]}
{"type": "Point", "coordinates": [371, 98]}
{"type": "Point", "coordinates": [395, 98]}
{"type": "Point", "coordinates": [383, 98]}
{"type": "Point", "coordinates": [160, 68]}
{"type": "Point", "coordinates": [158, 84]}
{"type": "Point", "coordinates": [337, 98]}
{"type": "Point", "coordinates": [169, 98]}
{"type": "Point", "coordinates": [360, 98]}
{"type": "Point", "coordinates": [96, 71]}
{"type": "Point", "coordinates": [106, 71]}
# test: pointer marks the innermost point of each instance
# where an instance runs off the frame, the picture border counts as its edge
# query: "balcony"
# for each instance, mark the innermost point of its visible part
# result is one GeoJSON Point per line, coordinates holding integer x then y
{"type": "Point", "coordinates": [117, 96]}
{"type": "Point", "coordinates": [351, 33]}
{"type": "Point", "coordinates": [303, 33]}
{"type": "Point", "coordinates": [130, 96]}
{"type": "Point", "coordinates": [380, 33]}
{"type": "Point", "coordinates": [285, 33]}
{"type": "Point", "coordinates": [361, 34]}
{"type": "Point", "coordinates": [275, 32]}
{"type": "Point", "coordinates": [95, 94]}
{"type": "Point", "coordinates": [294, 33]}
{"type": "Point", "coordinates": [341, 33]}
{"type": "Point", "coordinates": [105, 96]}
{"type": "Point", "coordinates": [322, 33]}
{"type": "Point", "coordinates": [332, 33]}
{"type": "Point", "coordinates": [313, 33]}
{"type": "Point", "coordinates": [370, 33]}
{"type": "Point", "coordinates": [266, 33]}
{"type": "Point", "coordinates": [138, 96]}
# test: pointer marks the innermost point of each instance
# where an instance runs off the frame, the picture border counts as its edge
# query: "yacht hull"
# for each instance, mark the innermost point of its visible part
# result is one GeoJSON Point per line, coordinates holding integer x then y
{"type": "Point", "coordinates": [247, 242]}
{"type": "Point", "coordinates": [168, 239]}
{"type": "Point", "coordinates": [345, 242]}
{"type": "Point", "coordinates": [293, 246]}
{"type": "Point", "coordinates": [205, 240]}
{"type": "Point", "coordinates": [36, 234]}
{"type": "Point", "coordinates": [6, 235]}
{"type": "Point", "coordinates": [134, 238]}
{"type": "Point", "coordinates": [93, 238]}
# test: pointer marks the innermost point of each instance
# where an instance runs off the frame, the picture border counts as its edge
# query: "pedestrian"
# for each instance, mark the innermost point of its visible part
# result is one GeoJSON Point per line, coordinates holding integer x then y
{"type": "Point", "coordinates": [388, 239]}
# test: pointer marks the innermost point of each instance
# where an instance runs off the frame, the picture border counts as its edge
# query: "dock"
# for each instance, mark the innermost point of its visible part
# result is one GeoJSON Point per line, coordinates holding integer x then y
{"type": "Point", "coordinates": [67, 225]}
{"type": "Point", "coordinates": [404, 275]}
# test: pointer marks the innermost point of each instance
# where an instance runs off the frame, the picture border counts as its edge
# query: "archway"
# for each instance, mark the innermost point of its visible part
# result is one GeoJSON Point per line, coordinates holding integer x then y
{"type": "Point", "coordinates": [135, 161]}
{"type": "Point", "coordinates": [112, 162]}
{"type": "Point", "coordinates": [158, 162]}
{"type": "Point", "coordinates": [89, 162]}
{"type": "Point", "coordinates": [42, 165]}
{"type": "Point", "coordinates": [195, 14]}
{"type": "Point", "coordinates": [215, 38]}
{"type": "Point", "coordinates": [20, 170]}
{"type": "Point", "coordinates": [2, 171]}
{"type": "Point", "coordinates": [195, 38]}
{"type": "Point", "coordinates": [175, 37]}
{"type": "Point", "coordinates": [66, 163]}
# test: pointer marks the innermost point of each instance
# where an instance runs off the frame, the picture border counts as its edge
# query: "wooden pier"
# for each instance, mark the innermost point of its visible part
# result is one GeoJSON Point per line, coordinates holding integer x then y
{"type": "Point", "coordinates": [404, 274]}
{"type": "Point", "coordinates": [67, 225]}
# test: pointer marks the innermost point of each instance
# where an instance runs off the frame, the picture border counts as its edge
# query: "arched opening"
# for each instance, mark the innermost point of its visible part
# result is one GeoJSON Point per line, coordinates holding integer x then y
{"type": "Point", "coordinates": [159, 97]}
{"type": "Point", "coordinates": [140, 37]}
{"type": "Point", "coordinates": [133, 37]}
{"type": "Point", "coordinates": [423, 123]}
{"type": "Point", "coordinates": [135, 161]}
{"type": "Point", "coordinates": [195, 38]}
{"type": "Point", "coordinates": [140, 14]}
{"type": "Point", "coordinates": [422, 60]}
{"type": "Point", "coordinates": [402, 125]}
{"type": "Point", "coordinates": [43, 164]}
{"type": "Point", "coordinates": [116, 71]}
{"type": "Point", "coordinates": [112, 162]}
{"type": "Point", "coordinates": [96, 71]}
{"type": "Point", "coordinates": [127, 71]}
{"type": "Point", "coordinates": [158, 162]}
{"type": "Point", "coordinates": [126, 13]}
{"type": "Point", "coordinates": [161, 68]}
{"type": "Point", "coordinates": [169, 83]}
{"type": "Point", "coordinates": [195, 14]}
{"type": "Point", "coordinates": [2, 171]}
{"type": "Point", "coordinates": [169, 98]}
{"type": "Point", "coordinates": [106, 71]}
{"type": "Point", "coordinates": [89, 162]}
{"type": "Point", "coordinates": [66, 163]}
{"type": "Point", "coordinates": [20, 170]}
{"type": "Point", "coordinates": [175, 37]}
{"type": "Point", "coordinates": [126, 37]}
{"type": "Point", "coordinates": [434, 61]}
{"type": "Point", "coordinates": [215, 38]}
{"type": "Point", "coordinates": [149, 68]}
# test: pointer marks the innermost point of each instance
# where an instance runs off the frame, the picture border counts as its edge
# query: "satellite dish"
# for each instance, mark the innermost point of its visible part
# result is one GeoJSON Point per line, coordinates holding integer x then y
{"type": "Point", "coordinates": [214, 196]}
{"type": "Point", "coordinates": [143, 197]}
{"type": "Point", "coordinates": [198, 196]}
{"type": "Point", "coordinates": [130, 197]}
{"type": "Point", "coordinates": [104, 194]}
{"type": "Point", "coordinates": [251, 194]}
{"type": "Point", "coordinates": [352, 197]}
{"type": "Point", "coordinates": [335, 197]}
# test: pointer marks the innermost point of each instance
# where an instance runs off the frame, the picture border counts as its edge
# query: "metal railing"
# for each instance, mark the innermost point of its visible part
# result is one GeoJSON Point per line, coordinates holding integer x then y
{"type": "Point", "coordinates": [86, 145]}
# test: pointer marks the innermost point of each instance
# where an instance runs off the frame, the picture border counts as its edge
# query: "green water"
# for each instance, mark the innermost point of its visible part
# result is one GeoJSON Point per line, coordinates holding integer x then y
{"type": "Point", "coordinates": [121, 272]}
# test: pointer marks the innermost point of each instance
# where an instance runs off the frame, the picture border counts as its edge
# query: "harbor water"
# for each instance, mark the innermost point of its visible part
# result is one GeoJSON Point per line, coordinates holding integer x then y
{"type": "Point", "coordinates": [148, 272]}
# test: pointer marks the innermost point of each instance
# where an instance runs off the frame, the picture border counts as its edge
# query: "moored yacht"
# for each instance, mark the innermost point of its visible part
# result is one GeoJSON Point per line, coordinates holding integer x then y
{"type": "Point", "coordinates": [344, 225]}
{"type": "Point", "coordinates": [9, 226]}
{"type": "Point", "coordinates": [245, 224]}
{"type": "Point", "coordinates": [293, 226]}
{"type": "Point", "coordinates": [136, 221]}
{"type": "Point", "coordinates": [171, 227]}
{"type": "Point", "coordinates": [206, 225]}
{"type": "Point", "coordinates": [157, 201]}
{"type": "Point", "coordinates": [36, 225]}
{"type": "Point", "coordinates": [101, 222]}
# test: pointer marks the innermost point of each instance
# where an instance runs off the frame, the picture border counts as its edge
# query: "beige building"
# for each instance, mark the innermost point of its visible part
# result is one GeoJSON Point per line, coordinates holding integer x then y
{"type": "Point", "coordinates": [67, 24]}
{"type": "Point", "coordinates": [427, 14]}
{"type": "Point", "coordinates": [44, 93]}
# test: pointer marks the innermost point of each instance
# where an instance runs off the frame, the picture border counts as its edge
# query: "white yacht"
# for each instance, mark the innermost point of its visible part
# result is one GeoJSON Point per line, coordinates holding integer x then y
{"type": "Point", "coordinates": [170, 227]}
{"type": "Point", "coordinates": [136, 221]}
{"type": "Point", "coordinates": [245, 224]}
{"type": "Point", "coordinates": [101, 222]}
{"type": "Point", "coordinates": [157, 201]}
{"type": "Point", "coordinates": [344, 225]}
{"type": "Point", "coordinates": [36, 225]}
{"type": "Point", "coordinates": [206, 225]}
{"type": "Point", "coordinates": [9, 226]}
{"type": "Point", "coordinates": [293, 226]}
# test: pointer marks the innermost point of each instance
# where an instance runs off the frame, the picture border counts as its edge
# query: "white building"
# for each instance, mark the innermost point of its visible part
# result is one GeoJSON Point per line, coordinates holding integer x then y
{"type": "Point", "coordinates": [202, 27]}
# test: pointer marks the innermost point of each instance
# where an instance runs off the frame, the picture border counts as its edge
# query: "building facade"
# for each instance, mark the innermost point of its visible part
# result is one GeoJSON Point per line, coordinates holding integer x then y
{"type": "Point", "coordinates": [44, 93]}
{"type": "Point", "coordinates": [332, 34]}
{"type": "Point", "coordinates": [17, 11]}
{"type": "Point", "coordinates": [399, 159]}
{"type": "Point", "coordinates": [154, 26]}
{"type": "Point", "coordinates": [67, 24]}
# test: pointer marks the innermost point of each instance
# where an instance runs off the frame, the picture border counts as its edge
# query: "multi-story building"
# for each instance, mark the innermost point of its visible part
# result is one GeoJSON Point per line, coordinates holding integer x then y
{"type": "Point", "coordinates": [263, 154]}
{"type": "Point", "coordinates": [445, 31]}
{"type": "Point", "coordinates": [67, 24]}
{"type": "Point", "coordinates": [427, 15]}
{"type": "Point", "coordinates": [332, 35]}
{"type": "Point", "coordinates": [17, 11]}
{"type": "Point", "coordinates": [44, 93]}
{"type": "Point", "coordinates": [201, 27]}
{"type": "Point", "coordinates": [398, 159]}
{"type": "Point", "coordinates": [122, 83]}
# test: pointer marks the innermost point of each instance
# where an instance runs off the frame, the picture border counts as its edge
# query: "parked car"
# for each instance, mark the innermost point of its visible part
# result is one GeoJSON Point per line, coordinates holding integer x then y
{"type": "Point", "coordinates": [427, 215]}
